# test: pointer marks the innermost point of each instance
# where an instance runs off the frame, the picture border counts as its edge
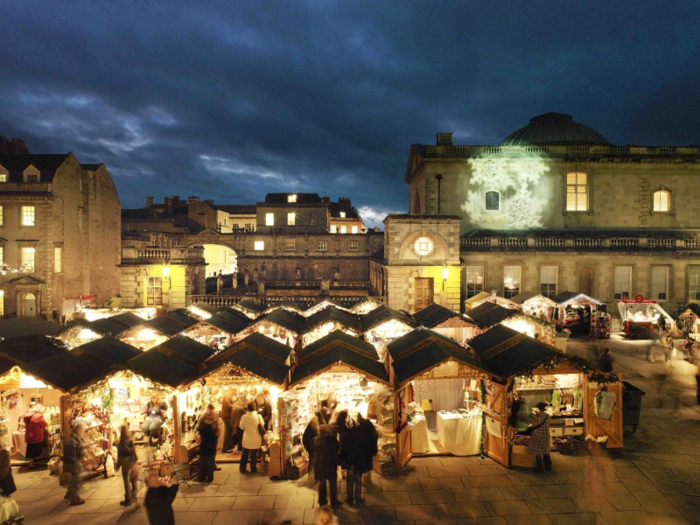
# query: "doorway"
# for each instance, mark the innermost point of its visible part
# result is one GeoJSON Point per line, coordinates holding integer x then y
{"type": "Point", "coordinates": [29, 305]}
{"type": "Point", "coordinates": [424, 292]}
{"type": "Point", "coordinates": [586, 278]}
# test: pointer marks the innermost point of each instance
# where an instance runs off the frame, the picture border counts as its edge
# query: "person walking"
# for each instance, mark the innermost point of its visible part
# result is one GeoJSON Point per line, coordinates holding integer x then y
{"type": "Point", "coordinates": [35, 433]}
{"type": "Point", "coordinates": [159, 500]}
{"type": "Point", "coordinates": [539, 445]}
{"type": "Point", "coordinates": [126, 457]}
{"type": "Point", "coordinates": [605, 363]}
{"type": "Point", "coordinates": [237, 412]}
{"type": "Point", "coordinates": [326, 449]}
{"type": "Point", "coordinates": [250, 424]}
{"type": "Point", "coordinates": [310, 434]}
{"type": "Point", "coordinates": [73, 463]}
{"type": "Point", "coordinates": [7, 481]}
{"type": "Point", "coordinates": [208, 429]}
{"type": "Point", "coordinates": [226, 409]}
{"type": "Point", "coordinates": [357, 450]}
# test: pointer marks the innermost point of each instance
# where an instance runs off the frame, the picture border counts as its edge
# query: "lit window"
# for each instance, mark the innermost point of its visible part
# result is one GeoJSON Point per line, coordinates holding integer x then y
{"type": "Point", "coordinates": [659, 283]}
{"type": "Point", "coordinates": [662, 200]}
{"type": "Point", "coordinates": [334, 228]}
{"type": "Point", "coordinates": [269, 219]}
{"type": "Point", "coordinates": [2, 215]}
{"type": "Point", "coordinates": [576, 191]}
{"type": "Point", "coordinates": [343, 228]}
{"type": "Point", "coordinates": [259, 246]}
{"type": "Point", "coordinates": [26, 261]}
{"type": "Point", "coordinates": [322, 246]}
{"type": "Point", "coordinates": [623, 282]}
{"type": "Point", "coordinates": [342, 214]}
{"type": "Point", "coordinates": [291, 198]}
{"type": "Point", "coordinates": [493, 201]}
{"type": "Point", "coordinates": [28, 216]}
{"type": "Point", "coordinates": [423, 246]}
{"type": "Point", "coordinates": [2, 255]}
{"type": "Point", "coordinates": [154, 291]}
{"type": "Point", "coordinates": [548, 281]}
{"type": "Point", "coordinates": [475, 280]}
{"type": "Point", "coordinates": [291, 246]}
{"type": "Point", "coordinates": [353, 246]}
{"type": "Point", "coordinates": [3, 176]}
{"type": "Point", "coordinates": [58, 259]}
{"type": "Point", "coordinates": [511, 281]}
{"type": "Point", "coordinates": [291, 219]}
{"type": "Point", "coordinates": [248, 227]}
{"type": "Point", "coordinates": [694, 282]}
{"type": "Point", "coordinates": [2, 303]}
{"type": "Point", "coordinates": [355, 229]}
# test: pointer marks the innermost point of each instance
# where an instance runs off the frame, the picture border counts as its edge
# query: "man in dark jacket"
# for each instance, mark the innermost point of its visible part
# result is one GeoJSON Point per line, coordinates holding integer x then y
{"type": "Point", "coordinates": [226, 409]}
{"type": "Point", "coordinates": [357, 450]}
{"type": "Point", "coordinates": [73, 463]}
{"type": "Point", "coordinates": [159, 501]}
{"type": "Point", "coordinates": [326, 465]}
{"type": "Point", "coordinates": [209, 434]}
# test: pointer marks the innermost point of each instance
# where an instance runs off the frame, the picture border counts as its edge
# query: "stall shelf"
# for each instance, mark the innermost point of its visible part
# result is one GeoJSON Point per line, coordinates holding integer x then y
{"type": "Point", "coordinates": [447, 322]}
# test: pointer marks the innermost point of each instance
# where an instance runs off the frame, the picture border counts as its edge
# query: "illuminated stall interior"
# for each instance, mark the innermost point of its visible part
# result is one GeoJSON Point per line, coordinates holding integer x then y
{"type": "Point", "coordinates": [346, 369]}
{"type": "Point", "coordinates": [575, 312]}
{"type": "Point", "coordinates": [151, 333]}
{"type": "Point", "coordinates": [447, 322]}
{"type": "Point", "coordinates": [93, 314]}
{"type": "Point", "coordinates": [383, 325]}
{"type": "Point", "coordinates": [535, 304]}
{"type": "Point", "coordinates": [365, 306]}
{"type": "Point", "coordinates": [216, 331]}
{"type": "Point", "coordinates": [438, 394]}
{"type": "Point", "coordinates": [81, 331]}
{"type": "Point", "coordinates": [485, 297]}
{"type": "Point", "coordinates": [327, 320]}
{"type": "Point", "coordinates": [281, 325]}
{"type": "Point", "coordinates": [640, 318]}
{"type": "Point", "coordinates": [488, 315]}
{"type": "Point", "coordinates": [256, 365]}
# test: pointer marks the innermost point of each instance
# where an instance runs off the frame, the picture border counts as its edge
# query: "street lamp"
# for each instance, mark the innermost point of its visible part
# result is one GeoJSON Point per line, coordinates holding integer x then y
{"type": "Point", "coordinates": [445, 275]}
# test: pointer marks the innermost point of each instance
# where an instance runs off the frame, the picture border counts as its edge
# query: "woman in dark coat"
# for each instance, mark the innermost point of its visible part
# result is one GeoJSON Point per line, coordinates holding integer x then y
{"type": "Point", "coordinates": [310, 434]}
{"type": "Point", "coordinates": [126, 457]}
{"type": "Point", "coordinates": [540, 445]}
{"type": "Point", "coordinates": [326, 450]}
{"type": "Point", "coordinates": [357, 450]}
{"type": "Point", "coordinates": [208, 429]}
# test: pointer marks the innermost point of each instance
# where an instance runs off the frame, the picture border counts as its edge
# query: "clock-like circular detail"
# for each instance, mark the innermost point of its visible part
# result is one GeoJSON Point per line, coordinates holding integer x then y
{"type": "Point", "coordinates": [423, 246]}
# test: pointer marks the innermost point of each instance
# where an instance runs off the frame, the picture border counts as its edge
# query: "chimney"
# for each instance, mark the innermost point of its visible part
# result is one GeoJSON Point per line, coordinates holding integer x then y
{"type": "Point", "coordinates": [444, 139]}
{"type": "Point", "coordinates": [168, 204]}
{"type": "Point", "coordinates": [19, 146]}
{"type": "Point", "coordinates": [192, 205]}
{"type": "Point", "coordinates": [149, 202]}
{"type": "Point", "coordinates": [176, 200]}
{"type": "Point", "coordinates": [210, 203]}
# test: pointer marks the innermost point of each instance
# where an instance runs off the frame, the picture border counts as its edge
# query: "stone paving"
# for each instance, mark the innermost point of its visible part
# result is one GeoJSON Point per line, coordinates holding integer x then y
{"type": "Point", "coordinates": [655, 479]}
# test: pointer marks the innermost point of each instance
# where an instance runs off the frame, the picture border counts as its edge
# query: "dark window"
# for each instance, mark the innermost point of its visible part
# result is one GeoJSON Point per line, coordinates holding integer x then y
{"type": "Point", "coordinates": [493, 201]}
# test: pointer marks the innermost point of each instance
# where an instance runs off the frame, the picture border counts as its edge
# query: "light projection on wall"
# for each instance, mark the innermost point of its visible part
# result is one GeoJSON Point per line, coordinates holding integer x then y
{"type": "Point", "coordinates": [523, 192]}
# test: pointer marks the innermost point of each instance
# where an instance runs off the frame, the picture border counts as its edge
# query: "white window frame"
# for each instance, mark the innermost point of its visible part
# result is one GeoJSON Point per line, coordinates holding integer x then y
{"type": "Point", "coordinates": [322, 246]}
{"type": "Point", "coordinates": [622, 285]}
{"type": "Point", "coordinates": [269, 219]}
{"type": "Point", "coordinates": [354, 246]}
{"type": "Point", "coordinates": [2, 303]}
{"type": "Point", "coordinates": [474, 288]}
{"type": "Point", "coordinates": [661, 199]}
{"type": "Point", "coordinates": [24, 258]}
{"type": "Point", "coordinates": [574, 189]}
{"type": "Point", "coordinates": [549, 292]}
{"type": "Point", "coordinates": [2, 215]}
{"type": "Point", "coordinates": [342, 214]}
{"type": "Point", "coordinates": [499, 201]}
{"type": "Point", "coordinates": [4, 175]}
{"type": "Point", "coordinates": [58, 259]}
{"type": "Point", "coordinates": [693, 284]}
{"type": "Point", "coordinates": [259, 246]}
{"type": "Point", "coordinates": [292, 198]}
{"type": "Point", "coordinates": [290, 246]}
{"type": "Point", "coordinates": [31, 175]}
{"type": "Point", "coordinates": [27, 215]}
{"type": "Point", "coordinates": [659, 284]}
{"type": "Point", "coordinates": [2, 255]}
{"type": "Point", "coordinates": [513, 291]}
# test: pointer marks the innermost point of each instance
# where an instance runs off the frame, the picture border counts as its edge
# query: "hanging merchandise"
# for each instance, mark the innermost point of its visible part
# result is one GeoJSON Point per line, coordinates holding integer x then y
{"type": "Point", "coordinates": [605, 402]}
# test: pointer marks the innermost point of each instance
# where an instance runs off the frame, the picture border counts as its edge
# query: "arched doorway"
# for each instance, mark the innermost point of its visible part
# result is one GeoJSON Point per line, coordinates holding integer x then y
{"type": "Point", "coordinates": [29, 305]}
{"type": "Point", "coordinates": [586, 279]}
{"type": "Point", "coordinates": [220, 259]}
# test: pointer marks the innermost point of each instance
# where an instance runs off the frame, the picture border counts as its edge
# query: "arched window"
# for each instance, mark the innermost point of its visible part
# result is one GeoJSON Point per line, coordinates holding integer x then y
{"type": "Point", "coordinates": [662, 200]}
{"type": "Point", "coordinates": [493, 200]}
{"type": "Point", "coordinates": [416, 203]}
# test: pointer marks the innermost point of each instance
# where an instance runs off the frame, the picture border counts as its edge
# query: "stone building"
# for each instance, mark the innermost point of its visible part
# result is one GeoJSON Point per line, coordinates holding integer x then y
{"type": "Point", "coordinates": [555, 207]}
{"type": "Point", "coordinates": [60, 224]}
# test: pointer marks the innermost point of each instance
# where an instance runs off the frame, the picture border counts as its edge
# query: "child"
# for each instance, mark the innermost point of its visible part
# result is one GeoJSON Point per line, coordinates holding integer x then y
{"type": "Point", "coordinates": [159, 501]}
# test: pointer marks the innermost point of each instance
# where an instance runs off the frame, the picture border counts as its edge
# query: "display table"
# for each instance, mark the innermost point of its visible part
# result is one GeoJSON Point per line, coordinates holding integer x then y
{"type": "Point", "coordinates": [420, 440]}
{"type": "Point", "coordinates": [459, 435]}
{"type": "Point", "coordinates": [19, 443]}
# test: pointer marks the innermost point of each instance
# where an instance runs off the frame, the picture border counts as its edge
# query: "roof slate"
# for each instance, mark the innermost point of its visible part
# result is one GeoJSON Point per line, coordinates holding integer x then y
{"type": "Point", "coordinates": [489, 314]}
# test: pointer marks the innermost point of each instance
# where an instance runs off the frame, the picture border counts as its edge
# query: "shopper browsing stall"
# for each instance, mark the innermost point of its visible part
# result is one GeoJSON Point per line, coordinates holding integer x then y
{"type": "Point", "coordinates": [73, 463]}
{"type": "Point", "coordinates": [251, 423]}
{"type": "Point", "coordinates": [126, 457]}
{"type": "Point", "coordinates": [159, 500]}
{"type": "Point", "coordinates": [326, 465]}
{"type": "Point", "coordinates": [226, 409]}
{"type": "Point", "coordinates": [35, 433]}
{"type": "Point", "coordinates": [264, 408]}
{"type": "Point", "coordinates": [540, 440]}
{"type": "Point", "coordinates": [208, 430]}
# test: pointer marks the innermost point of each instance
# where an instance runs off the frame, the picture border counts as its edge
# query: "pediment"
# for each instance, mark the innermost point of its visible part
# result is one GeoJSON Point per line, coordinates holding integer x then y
{"type": "Point", "coordinates": [26, 279]}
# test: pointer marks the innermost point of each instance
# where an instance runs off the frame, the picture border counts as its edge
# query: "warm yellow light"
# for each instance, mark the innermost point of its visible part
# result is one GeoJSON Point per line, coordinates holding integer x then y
{"type": "Point", "coordinates": [445, 273]}
{"type": "Point", "coordinates": [86, 333]}
{"type": "Point", "coordinates": [146, 335]}
{"type": "Point", "coordinates": [166, 271]}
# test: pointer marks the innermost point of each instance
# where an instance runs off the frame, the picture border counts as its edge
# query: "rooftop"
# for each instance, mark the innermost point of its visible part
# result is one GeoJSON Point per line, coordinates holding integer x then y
{"type": "Point", "coordinates": [553, 129]}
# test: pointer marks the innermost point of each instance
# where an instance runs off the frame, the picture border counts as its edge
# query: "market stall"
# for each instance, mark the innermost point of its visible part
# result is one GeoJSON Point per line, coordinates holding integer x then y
{"type": "Point", "coordinates": [688, 322]}
{"type": "Point", "coordinates": [535, 304]}
{"type": "Point", "coordinates": [582, 401]}
{"type": "Point", "coordinates": [447, 322]}
{"type": "Point", "coordinates": [485, 297]}
{"type": "Point", "coordinates": [383, 325]}
{"type": "Point", "coordinates": [641, 318]}
{"type": "Point", "coordinates": [151, 333]}
{"type": "Point", "coordinates": [216, 331]}
{"type": "Point", "coordinates": [338, 372]}
{"type": "Point", "coordinates": [365, 306]}
{"type": "Point", "coordinates": [80, 331]}
{"type": "Point", "coordinates": [251, 309]}
{"type": "Point", "coordinates": [253, 368]}
{"type": "Point", "coordinates": [439, 398]}
{"type": "Point", "coordinates": [575, 312]}
{"type": "Point", "coordinates": [488, 315]}
{"type": "Point", "coordinates": [202, 310]}
{"type": "Point", "coordinates": [327, 320]}
{"type": "Point", "coordinates": [281, 325]}
{"type": "Point", "coordinates": [322, 304]}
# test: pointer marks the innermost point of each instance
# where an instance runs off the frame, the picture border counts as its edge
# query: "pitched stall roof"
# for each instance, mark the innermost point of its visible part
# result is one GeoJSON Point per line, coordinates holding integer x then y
{"type": "Point", "coordinates": [291, 321]}
{"type": "Point", "coordinates": [206, 307]}
{"type": "Point", "coordinates": [256, 354]}
{"type": "Point", "coordinates": [333, 314]}
{"type": "Point", "coordinates": [508, 353]}
{"type": "Point", "coordinates": [338, 348]}
{"type": "Point", "coordinates": [252, 306]}
{"type": "Point", "coordinates": [42, 358]}
{"type": "Point", "coordinates": [107, 349]}
{"type": "Point", "coordinates": [435, 314]}
{"type": "Point", "coordinates": [567, 297]}
{"type": "Point", "coordinates": [233, 314]}
{"type": "Point", "coordinates": [108, 326]}
{"type": "Point", "coordinates": [489, 314]}
{"type": "Point", "coordinates": [382, 314]}
{"type": "Point", "coordinates": [163, 367]}
{"type": "Point", "coordinates": [415, 339]}
{"type": "Point", "coordinates": [23, 326]}
{"type": "Point", "coordinates": [165, 326]}
{"type": "Point", "coordinates": [182, 317]}
{"type": "Point", "coordinates": [187, 349]}
{"type": "Point", "coordinates": [230, 325]}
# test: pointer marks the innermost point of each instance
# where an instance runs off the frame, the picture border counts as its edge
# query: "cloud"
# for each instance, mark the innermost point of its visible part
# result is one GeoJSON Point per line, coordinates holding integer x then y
{"type": "Point", "coordinates": [230, 101]}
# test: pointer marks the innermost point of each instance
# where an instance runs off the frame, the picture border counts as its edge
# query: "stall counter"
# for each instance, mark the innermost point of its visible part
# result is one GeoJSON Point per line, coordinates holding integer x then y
{"type": "Point", "coordinates": [459, 435]}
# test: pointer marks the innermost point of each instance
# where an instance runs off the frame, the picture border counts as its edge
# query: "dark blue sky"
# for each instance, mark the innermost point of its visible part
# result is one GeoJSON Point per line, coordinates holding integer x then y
{"type": "Point", "coordinates": [230, 100]}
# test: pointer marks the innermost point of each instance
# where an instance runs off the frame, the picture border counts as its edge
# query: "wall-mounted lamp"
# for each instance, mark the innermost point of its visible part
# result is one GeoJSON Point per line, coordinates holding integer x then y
{"type": "Point", "coordinates": [445, 275]}
{"type": "Point", "coordinates": [166, 271]}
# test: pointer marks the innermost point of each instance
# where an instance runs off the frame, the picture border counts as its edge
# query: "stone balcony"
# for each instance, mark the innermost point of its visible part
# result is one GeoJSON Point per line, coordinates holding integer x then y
{"type": "Point", "coordinates": [582, 241]}
{"type": "Point", "coordinates": [163, 256]}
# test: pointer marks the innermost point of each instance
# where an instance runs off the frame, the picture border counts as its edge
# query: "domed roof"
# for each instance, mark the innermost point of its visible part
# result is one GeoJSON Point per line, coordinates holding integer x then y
{"type": "Point", "coordinates": [554, 128]}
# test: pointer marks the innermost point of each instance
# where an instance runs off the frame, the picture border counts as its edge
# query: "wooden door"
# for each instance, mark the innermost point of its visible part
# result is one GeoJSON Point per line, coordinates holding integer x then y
{"type": "Point", "coordinates": [424, 292]}
{"type": "Point", "coordinates": [599, 426]}
{"type": "Point", "coordinates": [404, 438]}
{"type": "Point", "coordinates": [496, 447]}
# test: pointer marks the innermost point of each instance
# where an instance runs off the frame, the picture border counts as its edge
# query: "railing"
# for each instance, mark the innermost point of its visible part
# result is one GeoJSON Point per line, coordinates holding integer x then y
{"type": "Point", "coordinates": [154, 253]}
{"type": "Point", "coordinates": [558, 151]}
{"type": "Point", "coordinates": [624, 243]}
{"type": "Point", "coordinates": [653, 242]}
{"type": "Point", "coordinates": [512, 242]}
{"type": "Point", "coordinates": [304, 301]}
{"type": "Point", "coordinates": [578, 150]}
{"type": "Point", "coordinates": [550, 242]}
{"type": "Point", "coordinates": [692, 243]}
{"type": "Point", "coordinates": [316, 284]}
{"type": "Point", "coordinates": [475, 241]}
{"type": "Point", "coordinates": [587, 242]}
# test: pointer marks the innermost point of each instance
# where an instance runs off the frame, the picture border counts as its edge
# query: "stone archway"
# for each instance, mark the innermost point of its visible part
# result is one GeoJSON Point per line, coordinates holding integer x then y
{"type": "Point", "coordinates": [28, 304]}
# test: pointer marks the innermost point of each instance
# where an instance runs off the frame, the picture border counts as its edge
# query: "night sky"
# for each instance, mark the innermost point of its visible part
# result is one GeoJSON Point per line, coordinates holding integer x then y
{"type": "Point", "coordinates": [231, 100]}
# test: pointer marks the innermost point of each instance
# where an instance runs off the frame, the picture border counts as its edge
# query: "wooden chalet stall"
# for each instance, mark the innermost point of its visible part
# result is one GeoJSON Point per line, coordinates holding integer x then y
{"type": "Point", "coordinates": [80, 331]}
{"type": "Point", "coordinates": [338, 372]}
{"type": "Point", "coordinates": [688, 322]}
{"type": "Point", "coordinates": [485, 297]}
{"type": "Point", "coordinates": [251, 309]}
{"type": "Point", "coordinates": [327, 320]}
{"type": "Point", "coordinates": [583, 400]}
{"type": "Point", "coordinates": [383, 325]}
{"type": "Point", "coordinates": [253, 366]}
{"type": "Point", "coordinates": [441, 401]}
{"type": "Point", "coordinates": [151, 333]}
{"type": "Point", "coordinates": [534, 304]}
{"type": "Point", "coordinates": [488, 315]}
{"type": "Point", "coordinates": [217, 331]}
{"type": "Point", "coordinates": [365, 306]}
{"type": "Point", "coordinates": [576, 312]}
{"type": "Point", "coordinates": [284, 326]}
{"type": "Point", "coordinates": [447, 322]}
{"type": "Point", "coordinates": [322, 304]}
